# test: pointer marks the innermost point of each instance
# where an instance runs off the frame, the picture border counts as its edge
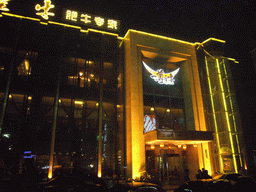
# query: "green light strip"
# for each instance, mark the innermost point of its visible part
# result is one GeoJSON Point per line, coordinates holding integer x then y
{"type": "Point", "coordinates": [227, 118]}
{"type": "Point", "coordinates": [214, 115]}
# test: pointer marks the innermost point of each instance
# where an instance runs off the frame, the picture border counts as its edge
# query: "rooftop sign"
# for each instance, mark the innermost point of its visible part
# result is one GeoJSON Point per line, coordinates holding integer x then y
{"type": "Point", "coordinates": [46, 10]}
{"type": "Point", "coordinates": [81, 18]}
{"type": "Point", "coordinates": [3, 5]}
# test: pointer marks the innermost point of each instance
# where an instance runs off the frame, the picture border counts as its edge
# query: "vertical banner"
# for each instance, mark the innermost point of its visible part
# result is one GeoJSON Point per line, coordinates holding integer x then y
{"type": "Point", "coordinates": [149, 123]}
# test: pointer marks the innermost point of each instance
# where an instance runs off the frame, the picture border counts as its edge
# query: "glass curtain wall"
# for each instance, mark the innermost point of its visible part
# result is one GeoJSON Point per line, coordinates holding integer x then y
{"type": "Point", "coordinates": [223, 116]}
{"type": "Point", "coordinates": [163, 104]}
{"type": "Point", "coordinates": [90, 74]}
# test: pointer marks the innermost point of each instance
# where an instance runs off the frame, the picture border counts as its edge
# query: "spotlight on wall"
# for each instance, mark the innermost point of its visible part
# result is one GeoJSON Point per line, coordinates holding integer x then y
{"type": "Point", "coordinates": [184, 147]}
{"type": "Point", "coordinates": [179, 146]}
{"type": "Point", "coordinates": [162, 145]}
{"type": "Point", "coordinates": [195, 145]}
{"type": "Point", "coordinates": [152, 109]}
{"type": "Point", "coordinates": [152, 146]}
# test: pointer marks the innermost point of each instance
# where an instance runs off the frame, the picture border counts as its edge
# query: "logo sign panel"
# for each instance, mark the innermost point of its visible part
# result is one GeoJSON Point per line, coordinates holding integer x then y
{"type": "Point", "coordinates": [160, 76]}
{"type": "Point", "coordinates": [90, 20]}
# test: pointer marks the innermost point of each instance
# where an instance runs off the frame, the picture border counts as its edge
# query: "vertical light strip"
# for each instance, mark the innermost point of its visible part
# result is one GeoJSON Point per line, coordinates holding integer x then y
{"type": "Point", "coordinates": [214, 115]}
{"type": "Point", "coordinates": [227, 117]}
{"type": "Point", "coordinates": [232, 109]}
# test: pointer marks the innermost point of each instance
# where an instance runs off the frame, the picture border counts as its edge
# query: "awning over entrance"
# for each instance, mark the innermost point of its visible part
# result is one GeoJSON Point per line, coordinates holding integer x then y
{"type": "Point", "coordinates": [178, 137]}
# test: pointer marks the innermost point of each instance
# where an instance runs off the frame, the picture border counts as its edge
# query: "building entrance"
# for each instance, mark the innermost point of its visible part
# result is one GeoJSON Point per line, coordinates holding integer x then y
{"type": "Point", "coordinates": [166, 165]}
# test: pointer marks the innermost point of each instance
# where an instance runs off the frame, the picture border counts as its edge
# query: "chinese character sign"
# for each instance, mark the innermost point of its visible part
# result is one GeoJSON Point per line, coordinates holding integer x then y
{"type": "Point", "coordinates": [3, 5]}
{"type": "Point", "coordinates": [47, 6]}
{"type": "Point", "coordinates": [91, 20]}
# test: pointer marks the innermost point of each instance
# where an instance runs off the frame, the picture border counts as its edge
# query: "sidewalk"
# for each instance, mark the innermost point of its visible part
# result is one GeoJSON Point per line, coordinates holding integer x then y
{"type": "Point", "coordinates": [170, 188]}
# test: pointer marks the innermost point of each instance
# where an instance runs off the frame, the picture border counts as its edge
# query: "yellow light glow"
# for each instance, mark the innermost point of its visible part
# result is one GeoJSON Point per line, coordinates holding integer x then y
{"type": "Point", "coordinates": [49, 175]}
{"type": "Point", "coordinates": [118, 106]}
{"type": "Point", "coordinates": [10, 96]}
{"type": "Point", "coordinates": [112, 24]}
{"type": "Point", "coordinates": [47, 6]}
{"type": "Point", "coordinates": [59, 100]}
{"type": "Point", "coordinates": [179, 146]}
{"type": "Point", "coordinates": [79, 102]}
{"type": "Point", "coordinates": [232, 110]}
{"type": "Point", "coordinates": [162, 145]}
{"type": "Point", "coordinates": [27, 64]}
{"type": "Point", "coordinates": [19, 16]}
{"type": "Point", "coordinates": [86, 18]}
{"type": "Point", "coordinates": [3, 5]}
{"type": "Point", "coordinates": [214, 115]}
{"type": "Point", "coordinates": [71, 15]}
{"type": "Point", "coordinates": [158, 36]}
{"type": "Point", "coordinates": [152, 146]}
{"type": "Point", "coordinates": [152, 109]}
{"type": "Point", "coordinates": [168, 110]}
{"type": "Point", "coordinates": [227, 116]}
{"type": "Point", "coordinates": [99, 21]}
{"type": "Point", "coordinates": [97, 104]}
{"type": "Point", "coordinates": [91, 75]}
{"type": "Point", "coordinates": [29, 98]}
{"type": "Point", "coordinates": [195, 145]}
{"type": "Point", "coordinates": [213, 39]}
{"type": "Point", "coordinates": [65, 25]}
{"type": "Point", "coordinates": [184, 147]}
{"type": "Point", "coordinates": [43, 23]}
{"type": "Point", "coordinates": [81, 73]}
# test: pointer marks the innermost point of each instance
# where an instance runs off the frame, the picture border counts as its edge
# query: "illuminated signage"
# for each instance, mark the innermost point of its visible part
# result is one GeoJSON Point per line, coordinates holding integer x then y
{"type": "Point", "coordinates": [149, 123]}
{"type": "Point", "coordinates": [160, 76]}
{"type": "Point", "coordinates": [47, 6]}
{"type": "Point", "coordinates": [3, 5]}
{"type": "Point", "coordinates": [90, 20]}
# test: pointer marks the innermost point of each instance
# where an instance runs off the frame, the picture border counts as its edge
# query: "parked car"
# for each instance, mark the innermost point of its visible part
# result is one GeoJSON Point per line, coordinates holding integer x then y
{"type": "Point", "coordinates": [194, 186]}
{"type": "Point", "coordinates": [137, 187]}
{"type": "Point", "coordinates": [70, 183]}
{"type": "Point", "coordinates": [219, 183]}
{"type": "Point", "coordinates": [226, 176]}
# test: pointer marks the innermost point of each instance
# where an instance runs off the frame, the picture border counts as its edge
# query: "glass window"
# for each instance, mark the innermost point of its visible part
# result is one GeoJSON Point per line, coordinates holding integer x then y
{"type": "Point", "coordinates": [163, 94]}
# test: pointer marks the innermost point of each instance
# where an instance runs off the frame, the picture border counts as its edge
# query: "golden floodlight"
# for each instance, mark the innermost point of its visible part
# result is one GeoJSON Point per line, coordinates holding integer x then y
{"type": "Point", "coordinates": [152, 109]}
{"type": "Point", "coordinates": [162, 145]}
{"type": "Point", "coordinates": [152, 146]}
{"type": "Point", "coordinates": [184, 147]}
{"type": "Point", "coordinates": [79, 102]}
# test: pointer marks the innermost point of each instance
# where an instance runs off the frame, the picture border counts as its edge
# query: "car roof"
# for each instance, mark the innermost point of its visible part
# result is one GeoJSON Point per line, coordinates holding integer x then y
{"type": "Point", "coordinates": [139, 184]}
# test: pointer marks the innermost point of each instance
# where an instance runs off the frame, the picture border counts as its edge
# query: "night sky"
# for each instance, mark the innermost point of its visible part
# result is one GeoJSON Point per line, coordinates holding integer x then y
{"type": "Point", "coordinates": [193, 21]}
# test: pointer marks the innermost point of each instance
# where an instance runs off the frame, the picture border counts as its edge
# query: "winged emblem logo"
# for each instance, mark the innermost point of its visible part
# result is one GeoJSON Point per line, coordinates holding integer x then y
{"type": "Point", "coordinates": [160, 76]}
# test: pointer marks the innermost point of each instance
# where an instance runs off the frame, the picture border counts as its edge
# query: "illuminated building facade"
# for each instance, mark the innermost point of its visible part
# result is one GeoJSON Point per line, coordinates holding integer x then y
{"type": "Point", "coordinates": [139, 104]}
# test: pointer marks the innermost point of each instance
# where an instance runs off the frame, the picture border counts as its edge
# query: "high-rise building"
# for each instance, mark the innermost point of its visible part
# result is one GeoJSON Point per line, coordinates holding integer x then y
{"type": "Point", "coordinates": [76, 92]}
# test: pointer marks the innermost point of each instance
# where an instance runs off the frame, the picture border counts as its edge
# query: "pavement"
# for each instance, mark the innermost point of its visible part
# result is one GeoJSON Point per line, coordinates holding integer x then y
{"type": "Point", "coordinates": [170, 188]}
